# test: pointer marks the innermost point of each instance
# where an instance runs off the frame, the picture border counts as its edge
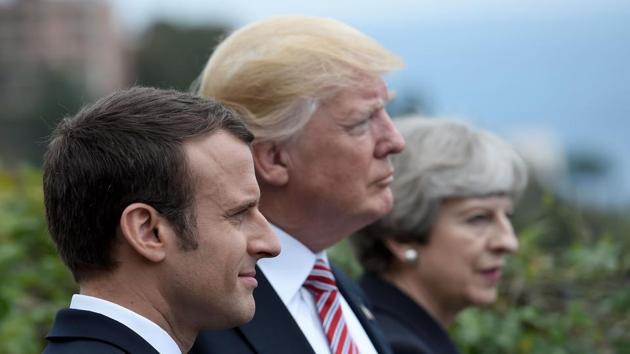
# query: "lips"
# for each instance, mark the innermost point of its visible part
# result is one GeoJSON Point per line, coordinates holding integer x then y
{"type": "Point", "coordinates": [249, 278]}
{"type": "Point", "coordinates": [386, 180]}
{"type": "Point", "coordinates": [492, 274]}
{"type": "Point", "coordinates": [249, 273]}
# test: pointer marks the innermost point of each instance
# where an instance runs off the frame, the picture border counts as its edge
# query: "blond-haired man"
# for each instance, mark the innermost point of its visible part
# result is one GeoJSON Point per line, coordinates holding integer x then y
{"type": "Point", "coordinates": [312, 93]}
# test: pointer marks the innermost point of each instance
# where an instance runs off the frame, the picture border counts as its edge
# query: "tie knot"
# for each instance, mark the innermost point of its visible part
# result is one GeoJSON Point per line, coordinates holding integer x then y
{"type": "Point", "coordinates": [321, 278]}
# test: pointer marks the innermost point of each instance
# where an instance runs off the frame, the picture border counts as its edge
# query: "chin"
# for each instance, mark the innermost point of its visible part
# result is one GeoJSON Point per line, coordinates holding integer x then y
{"type": "Point", "coordinates": [246, 317]}
{"type": "Point", "coordinates": [248, 311]}
{"type": "Point", "coordinates": [382, 205]}
{"type": "Point", "coordinates": [488, 297]}
{"type": "Point", "coordinates": [240, 317]}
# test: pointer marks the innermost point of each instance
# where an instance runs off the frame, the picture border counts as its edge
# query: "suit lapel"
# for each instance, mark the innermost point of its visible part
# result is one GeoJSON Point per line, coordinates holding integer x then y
{"type": "Point", "coordinates": [273, 329]}
{"type": "Point", "coordinates": [357, 302]}
{"type": "Point", "coordinates": [71, 323]}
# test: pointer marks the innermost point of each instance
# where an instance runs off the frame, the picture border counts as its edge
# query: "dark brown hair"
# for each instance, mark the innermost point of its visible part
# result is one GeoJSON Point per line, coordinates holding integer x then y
{"type": "Point", "coordinates": [125, 148]}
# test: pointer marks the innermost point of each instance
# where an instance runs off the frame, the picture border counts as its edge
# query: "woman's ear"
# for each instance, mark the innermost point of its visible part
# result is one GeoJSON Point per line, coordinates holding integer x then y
{"type": "Point", "coordinates": [404, 252]}
{"type": "Point", "coordinates": [271, 162]}
{"type": "Point", "coordinates": [144, 230]}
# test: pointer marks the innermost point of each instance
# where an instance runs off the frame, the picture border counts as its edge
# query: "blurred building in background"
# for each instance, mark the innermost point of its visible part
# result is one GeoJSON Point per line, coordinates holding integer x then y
{"type": "Point", "coordinates": [54, 56]}
{"type": "Point", "coordinates": [73, 37]}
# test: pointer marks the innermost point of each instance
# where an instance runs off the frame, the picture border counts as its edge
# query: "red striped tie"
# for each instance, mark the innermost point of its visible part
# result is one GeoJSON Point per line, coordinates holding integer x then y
{"type": "Point", "coordinates": [323, 286]}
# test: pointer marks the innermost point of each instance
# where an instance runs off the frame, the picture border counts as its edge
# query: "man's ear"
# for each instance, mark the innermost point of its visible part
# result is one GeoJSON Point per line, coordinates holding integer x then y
{"type": "Point", "coordinates": [144, 230]}
{"type": "Point", "coordinates": [271, 162]}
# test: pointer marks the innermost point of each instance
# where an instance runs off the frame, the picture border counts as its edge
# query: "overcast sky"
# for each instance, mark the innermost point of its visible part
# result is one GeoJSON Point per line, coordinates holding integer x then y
{"type": "Point", "coordinates": [138, 13]}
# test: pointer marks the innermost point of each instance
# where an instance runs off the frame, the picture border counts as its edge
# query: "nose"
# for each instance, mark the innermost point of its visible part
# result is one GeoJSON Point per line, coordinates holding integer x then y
{"type": "Point", "coordinates": [389, 140]}
{"type": "Point", "coordinates": [263, 242]}
{"type": "Point", "coordinates": [504, 241]}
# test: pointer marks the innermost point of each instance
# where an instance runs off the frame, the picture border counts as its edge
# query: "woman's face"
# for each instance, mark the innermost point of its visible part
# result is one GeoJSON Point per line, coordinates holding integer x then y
{"type": "Point", "coordinates": [462, 263]}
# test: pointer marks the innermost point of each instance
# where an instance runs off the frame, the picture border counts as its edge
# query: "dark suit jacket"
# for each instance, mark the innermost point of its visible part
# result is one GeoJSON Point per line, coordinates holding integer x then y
{"type": "Point", "coordinates": [78, 331]}
{"type": "Point", "coordinates": [407, 326]}
{"type": "Point", "coordinates": [274, 331]}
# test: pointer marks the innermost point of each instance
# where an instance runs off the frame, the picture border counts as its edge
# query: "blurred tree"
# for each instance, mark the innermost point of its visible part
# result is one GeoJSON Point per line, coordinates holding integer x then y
{"type": "Point", "coordinates": [589, 176]}
{"type": "Point", "coordinates": [170, 56]}
{"type": "Point", "coordinates": [566, 291]}
{"type": "Point", "coordinates": [27, 119]}
{"type": "Point", "coordinates": [587, 164]}
{"type": "Point", "coordinates": [35, 284]}
{"type": "Point", "coordinates": [409, 101]}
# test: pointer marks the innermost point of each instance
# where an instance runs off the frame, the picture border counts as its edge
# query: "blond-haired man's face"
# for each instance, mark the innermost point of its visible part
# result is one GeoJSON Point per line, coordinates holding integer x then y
{"type": "Point", "coordinates": [340, 161]}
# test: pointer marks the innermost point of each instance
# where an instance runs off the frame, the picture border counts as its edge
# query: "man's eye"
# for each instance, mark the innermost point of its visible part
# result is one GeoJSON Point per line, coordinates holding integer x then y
{"type": "Point", "coordinates": [239, 216]}
{"type": "Point", "coordinates": [362, 126]}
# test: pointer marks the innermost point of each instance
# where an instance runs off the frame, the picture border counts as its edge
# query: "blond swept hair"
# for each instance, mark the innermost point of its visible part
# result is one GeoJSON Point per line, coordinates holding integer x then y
{"type": "Point", "coordinates": [280, 68]}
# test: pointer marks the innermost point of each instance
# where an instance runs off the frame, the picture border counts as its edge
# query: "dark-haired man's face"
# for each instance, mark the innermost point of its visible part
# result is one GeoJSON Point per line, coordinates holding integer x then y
{"type": "Point", "coordinates": [214, 282]}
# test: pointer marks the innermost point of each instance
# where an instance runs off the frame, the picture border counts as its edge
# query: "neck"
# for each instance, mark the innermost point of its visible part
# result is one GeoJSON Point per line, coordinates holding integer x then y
{"type": "Point", "coordinates": [313, 227]}
{"type": "Point", "coordinates": [407, 281]}
{"type": "Point", "coordinates": [132, 295]}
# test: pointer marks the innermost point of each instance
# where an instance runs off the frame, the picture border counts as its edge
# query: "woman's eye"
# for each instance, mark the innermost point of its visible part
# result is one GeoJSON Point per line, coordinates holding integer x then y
{"type": "Point", "coordinates": [478, 218]}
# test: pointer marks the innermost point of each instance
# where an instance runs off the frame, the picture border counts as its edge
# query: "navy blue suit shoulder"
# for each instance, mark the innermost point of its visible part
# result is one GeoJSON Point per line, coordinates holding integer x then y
{"type": "Point", "coordinates": [274, 331]}
{"type": "Point", "coordinates": [408, 328]}
{"type": "Point", "coordinates": [78, 331]}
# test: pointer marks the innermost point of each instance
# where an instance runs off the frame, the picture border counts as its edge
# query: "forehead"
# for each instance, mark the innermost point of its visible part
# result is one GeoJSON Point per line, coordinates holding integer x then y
{"type": "Point", "coordinates": [222, 166]}
{"type": "Point", "coordinates": [369, 93]}
{"type": "Point", "coordinates": [491, 201]}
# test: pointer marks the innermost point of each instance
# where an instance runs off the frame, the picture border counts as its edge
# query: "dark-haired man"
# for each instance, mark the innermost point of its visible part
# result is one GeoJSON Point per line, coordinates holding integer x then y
{"type": "Point", "coordinates": [152, 202]}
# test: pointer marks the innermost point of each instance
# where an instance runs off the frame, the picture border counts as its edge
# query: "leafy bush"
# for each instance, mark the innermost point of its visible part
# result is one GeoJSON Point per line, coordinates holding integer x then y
{"type": "Point", "coordinates": [35, 283]}
{"type": "Point", "coordinates": [566, 291]}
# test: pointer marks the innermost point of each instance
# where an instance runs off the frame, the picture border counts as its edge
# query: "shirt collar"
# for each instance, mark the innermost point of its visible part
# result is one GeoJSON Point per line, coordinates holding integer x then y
{"type": "Point", "coordinates": [288, 271]}
{"type": "Point", "coordinates": [149, 331]}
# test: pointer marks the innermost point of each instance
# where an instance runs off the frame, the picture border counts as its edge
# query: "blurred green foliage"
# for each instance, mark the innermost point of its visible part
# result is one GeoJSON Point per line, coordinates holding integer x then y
{"type": "Point", "coordinates": [35, 284]}
{"type": "Point", "coordinates": [566, 291]}
{"type": "Point", "coordinates": [171, 56]}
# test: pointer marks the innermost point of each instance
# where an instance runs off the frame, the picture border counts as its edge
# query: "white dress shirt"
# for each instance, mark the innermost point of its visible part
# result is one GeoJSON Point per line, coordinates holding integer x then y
{"type": "Point", "coordinates": [286, 274]}
{"type": "Point", "coordinates": [145, 328]}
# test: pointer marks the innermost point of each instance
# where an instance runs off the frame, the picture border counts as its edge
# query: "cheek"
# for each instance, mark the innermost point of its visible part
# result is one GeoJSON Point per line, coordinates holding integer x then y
{"type": "Point", "coordinates": [455, 260]}
{"type": "Point", "coordinates": [233, 247]}
{"type": "Point", "coordinates": [353, 150]}
{"type": "Point", "coordinates": [357, 168]}
{"type": "Point", "coordinates": [340, 170]}
{"type": "Point", "coordinates": [458, 268]}
{"type": "Point", "coordinates": [224, 249]}
{"type": "Point", "coordinates": [479, 296]}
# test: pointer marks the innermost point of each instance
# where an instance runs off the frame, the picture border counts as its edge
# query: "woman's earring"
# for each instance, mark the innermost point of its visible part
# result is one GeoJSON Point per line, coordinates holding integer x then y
{"type": "Point", "coordinates": [411, 255]}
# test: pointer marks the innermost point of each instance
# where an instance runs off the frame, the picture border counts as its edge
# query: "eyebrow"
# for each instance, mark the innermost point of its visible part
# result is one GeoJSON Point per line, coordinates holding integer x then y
{"type": "Point", "coordinates": [475, 207]}
{"type": "Point", "coordinates": [379, 104]}
{"type": "Point", "coordinates": [389, 96]}
{"type": "Point", "coordinates": [241, 207]}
